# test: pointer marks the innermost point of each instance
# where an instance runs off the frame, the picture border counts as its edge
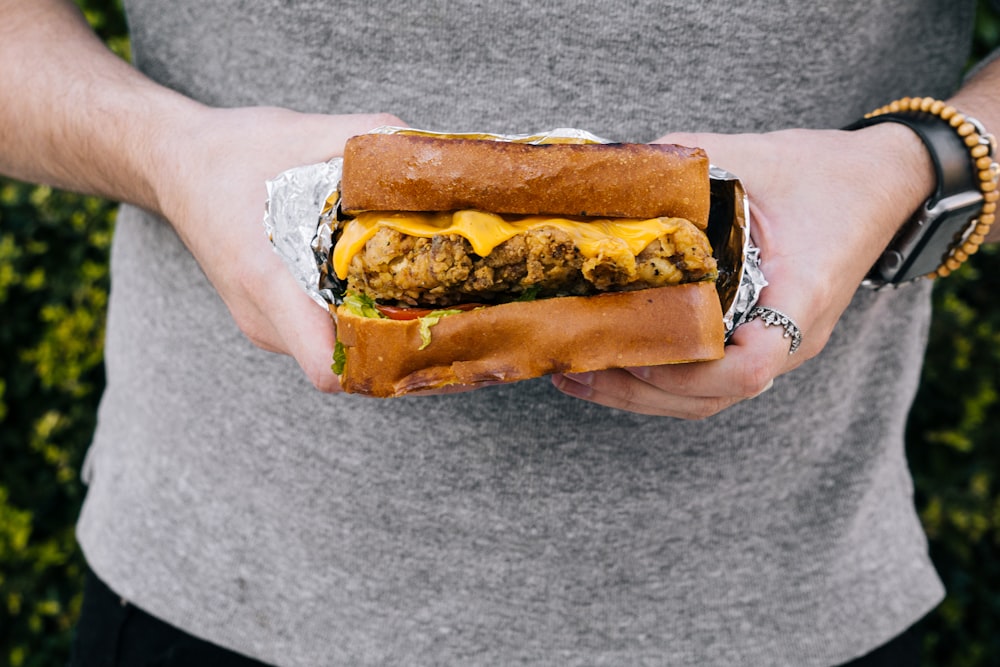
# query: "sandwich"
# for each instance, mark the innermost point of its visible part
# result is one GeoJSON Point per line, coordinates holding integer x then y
{"type": "Point", "coordinates": [466, 261]}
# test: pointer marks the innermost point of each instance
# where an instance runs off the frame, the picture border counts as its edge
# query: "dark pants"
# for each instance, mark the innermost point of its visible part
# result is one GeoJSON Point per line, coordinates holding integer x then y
{"type": "Point", "coordinates": [114, 633]}
{"type": "Point", "coordinates": [902, 651]}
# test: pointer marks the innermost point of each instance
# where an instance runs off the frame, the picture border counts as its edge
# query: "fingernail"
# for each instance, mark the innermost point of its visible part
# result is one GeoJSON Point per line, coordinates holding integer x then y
{"type": "Point", "coordinates": [770, 383]}
{"type": "Point", "coordinates": [641, 372]}
{"type": "Point", "coordinates": [568, 384]}
{"type": "Point", "coordinates": [581, 378]}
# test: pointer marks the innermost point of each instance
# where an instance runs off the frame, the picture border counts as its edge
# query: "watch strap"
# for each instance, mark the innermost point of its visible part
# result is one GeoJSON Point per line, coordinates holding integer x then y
{"type": "Point", "coordinates": [945, 229]}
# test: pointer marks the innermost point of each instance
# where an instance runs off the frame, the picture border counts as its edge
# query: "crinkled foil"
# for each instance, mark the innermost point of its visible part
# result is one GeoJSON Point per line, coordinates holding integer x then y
{"type": "Point", "coordinates": [302, 206]}
{"type": "Point", "coordinates": [740, 277]}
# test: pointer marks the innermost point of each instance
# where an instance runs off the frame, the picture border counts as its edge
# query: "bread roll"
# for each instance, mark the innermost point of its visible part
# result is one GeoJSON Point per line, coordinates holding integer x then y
{"type": "Point", "coordinates": [521, 340]}
{"type": "Point", "coordinates": [399, 172]}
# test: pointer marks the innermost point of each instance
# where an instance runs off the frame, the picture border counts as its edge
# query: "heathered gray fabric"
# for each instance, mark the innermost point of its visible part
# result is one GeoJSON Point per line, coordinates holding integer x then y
{"type": "Point", "coordinates": [514, 525]}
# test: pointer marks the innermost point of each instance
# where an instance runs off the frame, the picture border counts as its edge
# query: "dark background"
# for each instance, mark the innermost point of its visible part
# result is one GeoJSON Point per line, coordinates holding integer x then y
{"type": "Point", "coordinates": [53, 294]}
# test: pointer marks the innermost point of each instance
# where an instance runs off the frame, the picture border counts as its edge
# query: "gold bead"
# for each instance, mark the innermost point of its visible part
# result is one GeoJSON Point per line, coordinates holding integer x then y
{"type": "Point", "coordinates": [963, 129]}
{"type": "Point", "coordinates": [959, 120]}
{"type": "Point", "coordinates": [925, 104]}
{"type": "Point", "coordinates": [972, 140]}
{"type": "Point", "coordinates": [894, 106]}
{"type": "Point", "coordinates": [960, 255]}
{"type": "Point", "coordinates": [947, 112]}
{"type": "Point", "coordinates": [989, 207]}
{"type": "Point", "coordinates": [942, 272]}
{"type": "Point", "coordinates": [991, 196]}
{"type": "Point", "coordinates": [988, 187]}
{"type": "Point", "coordinates": [983, 163]}
{"type": "Point", "coordinates": [953, 263]}
{"type": "Point", "coordinates": [977, 238]}
{"type": "Point", "coordinates": [970, 248]}
{"type": "Point", "coordinates": [936, 107]}
{"type": "Point", "coordinates": [981, 150]}
{"type": "Point", "coordinates": [987, 220]}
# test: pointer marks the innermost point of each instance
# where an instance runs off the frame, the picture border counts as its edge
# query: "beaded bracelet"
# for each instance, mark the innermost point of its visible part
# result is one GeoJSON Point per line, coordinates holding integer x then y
{"type": "Point", "coordinates": [982, 149]}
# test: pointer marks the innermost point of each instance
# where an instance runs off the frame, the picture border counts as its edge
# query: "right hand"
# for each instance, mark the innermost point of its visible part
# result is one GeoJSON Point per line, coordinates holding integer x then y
{"type": "Point", "coordinates": [211, 188]}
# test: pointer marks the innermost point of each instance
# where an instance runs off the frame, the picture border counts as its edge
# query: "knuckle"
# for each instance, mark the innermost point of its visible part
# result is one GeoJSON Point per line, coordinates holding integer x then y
{"type": "Point", "coordinates": [626, 389]}
{"type": "Point", "coordinates": [383, 118]}
{"type": "Point", "coordinates": [249, 278]}
{"type": "Point", "coordinates": [681, 378]}
{"type": "Point", "coordinates": [258, 339]}
{"type": "Point", "coordinates": [321, 376]}
{"type": "Point", "coordinates": [253, 329]}
{"type": "Point", "coordinates": [753, 378]}
{"type": "Point", "coordinates": [708, 407]}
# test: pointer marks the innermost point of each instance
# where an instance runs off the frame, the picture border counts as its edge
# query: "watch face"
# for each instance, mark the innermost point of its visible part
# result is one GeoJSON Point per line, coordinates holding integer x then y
{"type": "Point", "coordinates": [922, 244]}
{"type": "Point", "coordinates": [925, 243]}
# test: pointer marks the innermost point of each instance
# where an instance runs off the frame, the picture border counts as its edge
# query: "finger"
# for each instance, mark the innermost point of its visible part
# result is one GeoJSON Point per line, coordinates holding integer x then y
{"type": "Point", "coordinates": [754, 358]}
{"type": "Point", "coordinates": [619, 389]}
{"type": "Point", "coordinates": [335, 130]}
{"type": "Point", "coordinates": [755, 355]}
{"type": "Point", "coordinates": [454, 389]}
{"type": "Point", "coordinates": [306, 331]}
{"type": "Point", "coordinates": [277, 315]}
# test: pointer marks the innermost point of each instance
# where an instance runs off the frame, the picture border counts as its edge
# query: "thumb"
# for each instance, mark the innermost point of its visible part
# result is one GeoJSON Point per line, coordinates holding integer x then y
{"type": "Point", "coordinates": [304, 327]}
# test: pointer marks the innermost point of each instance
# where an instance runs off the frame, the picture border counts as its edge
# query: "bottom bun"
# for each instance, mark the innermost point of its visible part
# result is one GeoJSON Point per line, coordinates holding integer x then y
{"type": "Point", "coordinates": [522, 340]}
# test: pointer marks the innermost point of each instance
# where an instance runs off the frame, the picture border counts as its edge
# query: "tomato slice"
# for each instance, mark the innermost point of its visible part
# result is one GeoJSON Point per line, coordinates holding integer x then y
{"type": "Point", "coordinates": [408, 313]}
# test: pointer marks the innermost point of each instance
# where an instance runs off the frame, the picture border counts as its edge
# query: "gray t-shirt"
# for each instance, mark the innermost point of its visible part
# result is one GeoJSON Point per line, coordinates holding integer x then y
{"type": "Point", "coordinates": [515, 525]}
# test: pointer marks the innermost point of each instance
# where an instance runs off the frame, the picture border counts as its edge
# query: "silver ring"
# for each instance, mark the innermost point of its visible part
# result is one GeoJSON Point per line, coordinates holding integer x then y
{"type": "Point", "coordinates": [772, 316]}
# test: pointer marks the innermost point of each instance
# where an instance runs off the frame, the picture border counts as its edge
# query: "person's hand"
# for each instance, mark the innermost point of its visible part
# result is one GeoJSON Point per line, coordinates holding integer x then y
{"type": "Point", "coordinates": [212, 190]}
{"type": "Point", "coordinates": [824, 204]}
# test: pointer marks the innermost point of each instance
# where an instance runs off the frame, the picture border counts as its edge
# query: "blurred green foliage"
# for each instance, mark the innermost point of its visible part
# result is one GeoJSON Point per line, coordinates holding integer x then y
{"type": "Point", "coordinates": [53, 293]}
{"type": "Point", "coordinates": [954, 430]}
{"type": "Point", "coordinates": [53, 296]}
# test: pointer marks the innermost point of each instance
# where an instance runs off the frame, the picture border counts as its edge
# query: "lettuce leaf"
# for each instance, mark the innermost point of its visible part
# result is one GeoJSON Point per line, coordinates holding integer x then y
{"type": "Point", "coordinates": [361, 305]}
{"type": "Point", "coordinates": [429, 320]}
{"type": "Point", "coordinates": [339, 358]}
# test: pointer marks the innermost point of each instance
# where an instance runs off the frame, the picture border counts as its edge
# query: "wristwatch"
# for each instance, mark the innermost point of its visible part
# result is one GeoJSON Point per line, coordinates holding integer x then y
{"type": "Point", "coordinates": [947, 218]}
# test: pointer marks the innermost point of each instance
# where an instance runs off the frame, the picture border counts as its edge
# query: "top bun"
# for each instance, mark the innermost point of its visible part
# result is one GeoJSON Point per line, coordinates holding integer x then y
{"type": "Point", "coordinates": [402, 172]}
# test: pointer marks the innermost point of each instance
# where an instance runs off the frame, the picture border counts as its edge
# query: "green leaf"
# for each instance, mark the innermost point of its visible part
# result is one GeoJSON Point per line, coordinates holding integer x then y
{"type": "Point", "coordinates": [429, 320]}
{"type": "Point", "coordinates": [361, 305]}
{"type": "Point", "coordinates": [339, 358]}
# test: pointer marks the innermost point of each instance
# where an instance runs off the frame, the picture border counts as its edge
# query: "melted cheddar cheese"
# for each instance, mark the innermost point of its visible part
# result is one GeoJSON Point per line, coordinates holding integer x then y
{"type": "Point", "coordinates": [485, 231]}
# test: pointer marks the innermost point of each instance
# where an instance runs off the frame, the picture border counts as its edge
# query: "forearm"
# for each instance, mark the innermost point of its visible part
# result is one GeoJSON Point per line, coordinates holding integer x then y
{"type": "Point", "coordinates": [980, 98]}
{"type": "Point", "coordinates": [902, 162]}
{"type": "Point", "coordinates": [74, 115]}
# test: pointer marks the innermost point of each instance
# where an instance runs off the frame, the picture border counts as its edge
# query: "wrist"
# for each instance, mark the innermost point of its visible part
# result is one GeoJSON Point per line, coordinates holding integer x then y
{"type": "Point", "coordinates": [898, 170]}
{"type": "Point", "coordinates": [171, 136]}
{"type": "Point", "coordinates": [954, 220]}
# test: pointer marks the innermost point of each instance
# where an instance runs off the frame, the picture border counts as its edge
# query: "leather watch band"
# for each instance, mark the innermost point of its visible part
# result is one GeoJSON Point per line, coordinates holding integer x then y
{"type": "Point", "coordinates": [922, 244]}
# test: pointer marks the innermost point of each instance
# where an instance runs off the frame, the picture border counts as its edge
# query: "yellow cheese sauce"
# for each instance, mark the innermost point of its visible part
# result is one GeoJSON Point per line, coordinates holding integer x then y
{"type": "Point", "coordinates": [485, 231]}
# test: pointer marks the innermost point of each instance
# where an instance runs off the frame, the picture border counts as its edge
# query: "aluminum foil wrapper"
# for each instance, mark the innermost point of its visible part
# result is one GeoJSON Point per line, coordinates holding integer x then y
{"type": "Point", "coordinates": [740, 277]}
{"type": "Point", "coordinates": [302, 205]}
{"type": "Point", "coordinates": [301, 202]}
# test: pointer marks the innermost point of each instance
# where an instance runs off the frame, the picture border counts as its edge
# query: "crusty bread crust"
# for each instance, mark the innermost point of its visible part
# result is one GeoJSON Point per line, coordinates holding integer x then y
{"type": "Point", "coordinates": [398, 172]}
{"type": "Point", "coordinates": [522, 340]}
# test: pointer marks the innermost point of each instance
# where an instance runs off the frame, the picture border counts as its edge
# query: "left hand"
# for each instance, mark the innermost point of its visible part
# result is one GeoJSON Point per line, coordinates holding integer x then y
{"type": "Point", "coordinates": [823, 205]}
